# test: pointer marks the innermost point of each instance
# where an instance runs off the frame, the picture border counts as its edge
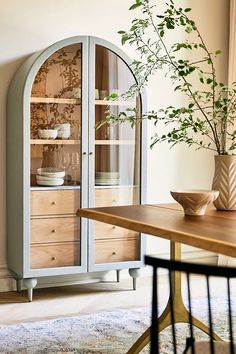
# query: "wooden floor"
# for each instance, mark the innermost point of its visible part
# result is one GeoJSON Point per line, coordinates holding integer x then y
{"type": "Point", "coordinates": [72, 300]}
{"type": "Point", "coordinates": [83, 299]}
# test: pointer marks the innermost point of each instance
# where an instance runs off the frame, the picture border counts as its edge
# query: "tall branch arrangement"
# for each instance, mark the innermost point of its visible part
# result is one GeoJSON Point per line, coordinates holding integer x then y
{"type": "Point", "coordinates": [208, 117]}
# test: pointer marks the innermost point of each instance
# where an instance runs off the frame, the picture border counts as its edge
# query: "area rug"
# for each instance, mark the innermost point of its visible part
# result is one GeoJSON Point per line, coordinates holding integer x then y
{"type": "Point", "coordinates": [111, 332]}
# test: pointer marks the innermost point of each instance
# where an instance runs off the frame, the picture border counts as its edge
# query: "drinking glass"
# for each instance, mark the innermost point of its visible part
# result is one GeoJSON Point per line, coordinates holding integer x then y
{"type": "Point", "coordinates": [75, 165]}
{"type": "Point", "coordinates": [65, 164]}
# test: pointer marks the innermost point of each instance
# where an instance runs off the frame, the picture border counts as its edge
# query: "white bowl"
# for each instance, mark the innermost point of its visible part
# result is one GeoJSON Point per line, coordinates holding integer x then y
{"type": "Point", "coordinates": [47, 133]}
{"type": "Point", "coordinates": [45, 178]}
{"type": "Point", "coordinates": [107, 174]}
{"type": "Point", "coordinates": [63, 126]}
{"type": "Point", "coordinates": [195, 201]}
{"type": "Point", "coordinates": [55, 182]}
{"type": "Point", "coordinates": [51, 172]}
{"type": "Point", "coordinates": [63, 134]}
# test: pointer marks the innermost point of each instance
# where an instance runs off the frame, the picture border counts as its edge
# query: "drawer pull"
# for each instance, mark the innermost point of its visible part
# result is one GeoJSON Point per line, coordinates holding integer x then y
{"type": "Point", "coordinates": [113, 227]}
{"type": "Point", "coordinates": [53, 203]}
{"type": "Point", "coordinates": [54, 230]}
{"type": "Point", "coordinates": [113, 201]}
{"type": "Point", "coordinates": [114, 253]}
{"type": "Point", "coordinates": [54, 258]}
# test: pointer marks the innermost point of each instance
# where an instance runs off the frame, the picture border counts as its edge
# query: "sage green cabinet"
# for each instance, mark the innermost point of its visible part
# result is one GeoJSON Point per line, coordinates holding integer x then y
{"type": "Point", "coordinates": [63, 90]}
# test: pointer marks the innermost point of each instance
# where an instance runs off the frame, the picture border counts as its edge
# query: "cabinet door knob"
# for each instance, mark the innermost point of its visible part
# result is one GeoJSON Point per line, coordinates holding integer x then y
{"type": "Point", "coordinates": [84, 153]}
{"type": "Point", "coordinates": [54, 230]}
{"type": "Point", "coordinates": [54, 258]}
{"type": "Point", "coordinates": [113, 227]}
{"type": "Point", "coordinates": [53, 203]}
{"type": "Point", "coordinates": [91, 153]}
{"type": "Point", "coordinates": [114, 253]}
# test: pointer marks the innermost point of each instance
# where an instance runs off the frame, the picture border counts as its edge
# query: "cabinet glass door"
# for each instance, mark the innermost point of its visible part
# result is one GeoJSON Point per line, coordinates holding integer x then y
{"type": "Point", "coordinates": [117, 158]}
{"type": "Point", "coordinates": [55, 160]}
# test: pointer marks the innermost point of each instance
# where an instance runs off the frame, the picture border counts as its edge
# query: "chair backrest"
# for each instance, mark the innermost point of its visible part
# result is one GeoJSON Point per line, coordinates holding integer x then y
{"type": "Point", "coordinates": [209, 272]}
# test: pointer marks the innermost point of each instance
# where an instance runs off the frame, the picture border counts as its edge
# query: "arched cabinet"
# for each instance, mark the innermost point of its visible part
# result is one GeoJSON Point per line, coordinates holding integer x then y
{"type": "Point", "coordinates": [58, 162]}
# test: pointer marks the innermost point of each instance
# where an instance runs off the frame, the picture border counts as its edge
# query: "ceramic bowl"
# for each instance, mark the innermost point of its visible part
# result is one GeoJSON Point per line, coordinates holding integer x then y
{"type": "Point", "coordinates": [63, 134]}
{"type": "Point", "coordinates": [63, 126]}
{"type": "Point", "coordinates": [47, 133]}
{"type": "Point", "coordinates": [51, 183]}
{"type": "Point", "coordinates": [194, 202]}
{"type": "Point", "coordinates": [51, 172]}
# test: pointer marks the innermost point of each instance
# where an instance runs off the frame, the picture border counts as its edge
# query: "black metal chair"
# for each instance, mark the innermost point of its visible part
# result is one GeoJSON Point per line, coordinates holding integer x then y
{"type": "Point", "coordinates": [193, 345]}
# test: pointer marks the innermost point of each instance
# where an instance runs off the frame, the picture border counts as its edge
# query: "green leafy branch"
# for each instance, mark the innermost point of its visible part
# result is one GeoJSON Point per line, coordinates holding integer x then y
{"type": "Point", "coordinates": [207, 119]}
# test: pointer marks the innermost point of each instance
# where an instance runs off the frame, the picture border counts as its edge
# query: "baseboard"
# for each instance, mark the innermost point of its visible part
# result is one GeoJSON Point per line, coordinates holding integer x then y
{"type": "Point", "coordinates": [7, 283]}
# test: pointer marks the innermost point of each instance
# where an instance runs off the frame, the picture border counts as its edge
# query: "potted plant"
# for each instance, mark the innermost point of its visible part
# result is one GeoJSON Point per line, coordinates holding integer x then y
{"type": "Point", "coordinates": [208, 117]}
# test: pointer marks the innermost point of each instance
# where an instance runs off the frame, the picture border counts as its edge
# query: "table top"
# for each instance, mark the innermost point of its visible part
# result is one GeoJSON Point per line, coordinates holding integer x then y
{"type": "Point", "coordinates": [215, 231]}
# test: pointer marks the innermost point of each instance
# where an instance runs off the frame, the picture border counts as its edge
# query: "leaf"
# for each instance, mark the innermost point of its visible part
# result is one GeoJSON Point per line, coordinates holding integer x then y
{"type": "Point", "coordinates": [188, 9]}
{"type": "Point", "coordinates": [162, 33]}
{"type": "Point", "coordinates": [188, 30]}
{"type": "Point", "coordinates": [217, 52]}
{"type": "Point", "coordinates": [134, 6]}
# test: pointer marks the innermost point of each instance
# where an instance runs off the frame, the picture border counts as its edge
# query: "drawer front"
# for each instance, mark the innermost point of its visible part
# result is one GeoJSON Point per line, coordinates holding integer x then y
{"type": "Point", "coordinates": [54, 230]}
{"type": "Point", "coordinates": [55, 255]}
{"type": "Point", "coordinates": [55, 202]}
{"type": "Point", "coordinates": [109, 251]}
{"type": "Point", "coordinates": [104, 231]}
{"type": "Point", "coordinates": [116, 196]}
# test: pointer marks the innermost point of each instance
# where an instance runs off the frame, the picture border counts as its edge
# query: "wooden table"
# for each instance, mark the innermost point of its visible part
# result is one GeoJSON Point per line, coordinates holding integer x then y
{"type": "Point", "coordinates": [215, 231]}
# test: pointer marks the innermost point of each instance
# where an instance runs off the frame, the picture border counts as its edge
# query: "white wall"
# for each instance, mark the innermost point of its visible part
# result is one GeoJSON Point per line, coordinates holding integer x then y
{"type": "Point", "coordinates": [27, 26]}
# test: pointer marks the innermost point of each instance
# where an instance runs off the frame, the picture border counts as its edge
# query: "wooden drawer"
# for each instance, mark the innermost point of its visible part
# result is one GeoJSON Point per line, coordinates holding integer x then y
{"type": "Point", "coordinates": [116, 196]}
{"type": "Point", "coordinates": [103, 231]}
{"type": "Point", "coordinates": [62, 254]}
{"type": "Point", "coordinates": [54, 202]}
{"type": "Point", "coordinates": [54, 230]}
{"type": "Point", "coordinates": [109, 251]}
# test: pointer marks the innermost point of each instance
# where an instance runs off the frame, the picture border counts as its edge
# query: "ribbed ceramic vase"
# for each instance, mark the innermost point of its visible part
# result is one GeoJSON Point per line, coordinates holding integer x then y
{"type": "Point", "coordinates": [225, 182]}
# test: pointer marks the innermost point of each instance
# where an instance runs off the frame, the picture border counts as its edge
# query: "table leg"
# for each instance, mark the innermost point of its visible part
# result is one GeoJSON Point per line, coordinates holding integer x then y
{"type": "Point", "coordinates": [181, 314]}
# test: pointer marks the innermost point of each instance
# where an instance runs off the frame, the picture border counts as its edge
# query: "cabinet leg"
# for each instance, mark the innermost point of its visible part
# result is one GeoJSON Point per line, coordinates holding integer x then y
{"type": "Point", "coordinates": [118, 275]}
{"type": "Point", "coordinates": [134, 273]}
{"type": "Point", "coordinates": [18, 285]}
{"type": "Point", "coordinates": [30, 284]}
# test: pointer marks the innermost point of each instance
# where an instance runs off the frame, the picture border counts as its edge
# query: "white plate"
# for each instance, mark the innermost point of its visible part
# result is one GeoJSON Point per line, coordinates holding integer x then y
{"type": "Point", "coordinates": [115, 183]}
{"type": "Point", "coordinates": [106, 180]}
{"type": "Point", "coordinates": [49, 179]}
{"type": "Point", "coordinates": [51, 172]}
{"type": "Point", "coordinates": [59, 182]}
{"type": "Point", "coordinates": [107, 174]}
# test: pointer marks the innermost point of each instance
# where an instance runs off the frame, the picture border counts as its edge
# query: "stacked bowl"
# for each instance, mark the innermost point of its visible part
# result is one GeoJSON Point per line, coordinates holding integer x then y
{"type": "Point", "coordinates": [107, 178]}
{"type": "Point", "coordinates": [63, 130]}
{"type": "Point", "coordinates": [50, 176]}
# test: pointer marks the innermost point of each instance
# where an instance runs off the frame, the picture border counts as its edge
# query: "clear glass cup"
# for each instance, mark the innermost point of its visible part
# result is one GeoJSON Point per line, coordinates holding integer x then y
{"type": "Point", "coordinates": [75, 165]}
{"type": "Point", "coordinates": [65, 163]}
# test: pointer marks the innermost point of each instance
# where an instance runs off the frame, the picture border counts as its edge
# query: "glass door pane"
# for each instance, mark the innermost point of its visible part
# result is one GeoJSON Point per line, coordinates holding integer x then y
{"type": "Point", "coordinates": [117, 157]}
{"type": "Point", "coordinates": [55, 160]}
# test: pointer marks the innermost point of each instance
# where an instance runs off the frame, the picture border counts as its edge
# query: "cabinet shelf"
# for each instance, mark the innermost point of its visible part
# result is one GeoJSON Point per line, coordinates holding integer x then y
{"type": "Point", "coordinates": [77, 142]}
{"type": "Point", "coordinates": [54, 100]}
{"type": "Point", "coordinates": [54, 142]}
{"type": "Point", "coordinates": [114, 142]}
{"type": "Point", "coordinates": [114, 103]}
{"type": "Point", "coordinates": [48, 188]}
